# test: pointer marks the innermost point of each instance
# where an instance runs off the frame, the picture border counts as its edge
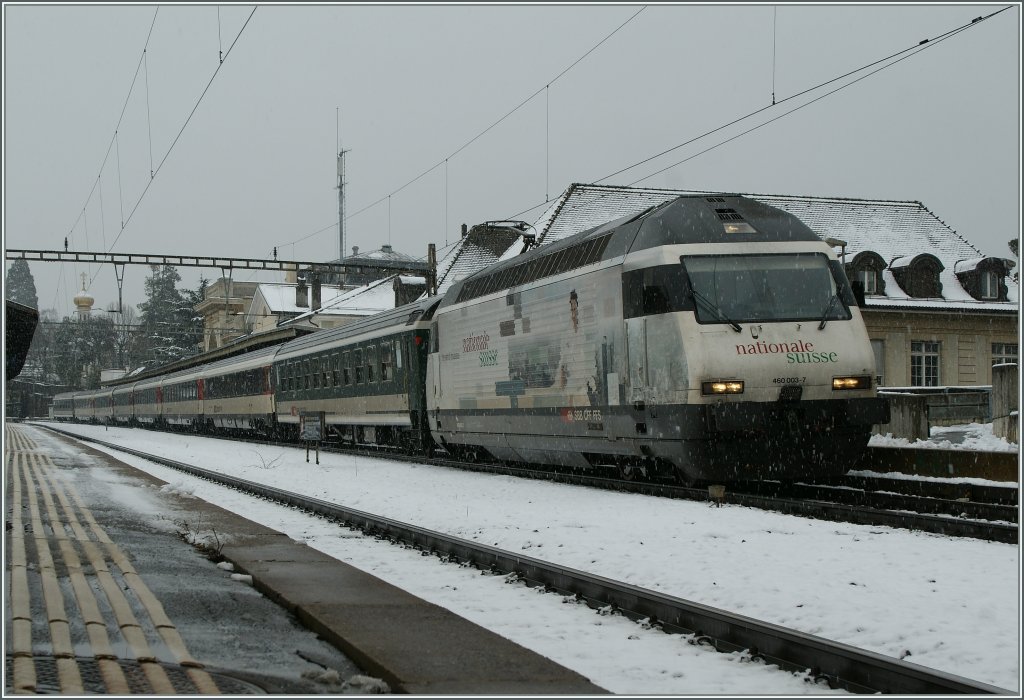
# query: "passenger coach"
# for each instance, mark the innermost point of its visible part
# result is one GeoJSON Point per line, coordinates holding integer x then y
{"type": "Point", "coordinates": [366, 378]}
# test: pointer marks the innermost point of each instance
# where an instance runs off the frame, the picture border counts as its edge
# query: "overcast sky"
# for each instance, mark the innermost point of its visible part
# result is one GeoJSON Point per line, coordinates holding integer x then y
{"type": "Point", "coordinates": [255, 167]}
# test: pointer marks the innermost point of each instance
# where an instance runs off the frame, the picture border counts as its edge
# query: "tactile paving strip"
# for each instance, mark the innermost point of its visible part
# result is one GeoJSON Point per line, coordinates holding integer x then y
{"type": "Point", "coordinates": [48, 680]}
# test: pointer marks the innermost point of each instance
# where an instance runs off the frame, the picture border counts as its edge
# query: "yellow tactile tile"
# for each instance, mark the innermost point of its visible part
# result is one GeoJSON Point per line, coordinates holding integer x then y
{"type": "Point", "coordinates": [53, 596]}
{"type": "Point", "coordinates": [70, 678]}
{"type": "Point", "coordinates": [20, 596]}
{"type": "Point", "coordinates": [148, 600]}
{"type": "Point", "coordinates": [21, 638]}
{"type": "Point", "coordinates": [60, 639]}
{"type": "Point", "coordinates": [173, 641]}
{"type": "Point", "coordinates": [113, 677]}
{"type": "Point", "coordinates": [203, 682]}
{"type": "Point", "coordinates": [137, 644]}
{"type": "Point", "coordinates": [99, 641]}
{"type": "Point", "coordinates": [24, 675]}
{"type": "Point", "coordinates": [158, 679]}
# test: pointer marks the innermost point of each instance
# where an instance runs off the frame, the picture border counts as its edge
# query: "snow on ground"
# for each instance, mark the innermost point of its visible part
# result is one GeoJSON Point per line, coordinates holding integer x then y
{"type": "Point", "coordinates": [946, 603]}
{"type": "Point", "coordinates": [972, 436]}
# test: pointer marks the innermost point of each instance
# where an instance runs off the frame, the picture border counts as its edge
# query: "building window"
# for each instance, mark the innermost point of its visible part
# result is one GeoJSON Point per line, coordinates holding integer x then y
{"type": "Point", "coordinates": [989, 285]}
{"type": "Point", "coordinates": [868, 278]}
{"type": "Point", "coordinates": [924, 363]}
{"type": "Point", "coordinates": [1003, 353]}
{"type": "Point", "coordinates": [878, 347]}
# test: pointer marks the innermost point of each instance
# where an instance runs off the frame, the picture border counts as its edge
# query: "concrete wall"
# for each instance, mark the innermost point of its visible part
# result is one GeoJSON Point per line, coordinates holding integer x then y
{"type": "Point", "coordinates": [1005, 391]}
{"type": "Point", "coordinates": [909, 416]}
{"type": "Point", "coordinates": [966, 342]}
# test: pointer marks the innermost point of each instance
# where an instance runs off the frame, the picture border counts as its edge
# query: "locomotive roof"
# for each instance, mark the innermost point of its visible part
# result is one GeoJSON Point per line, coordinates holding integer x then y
{"type": "Point", "coordinates": [684, 219]}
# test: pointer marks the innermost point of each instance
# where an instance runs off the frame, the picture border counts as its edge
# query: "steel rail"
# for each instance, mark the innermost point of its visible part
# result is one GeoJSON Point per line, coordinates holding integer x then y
{"type": "Point", "coordinates": [908, 519]}
{"type": "Point", "coordinates": [841, 665]}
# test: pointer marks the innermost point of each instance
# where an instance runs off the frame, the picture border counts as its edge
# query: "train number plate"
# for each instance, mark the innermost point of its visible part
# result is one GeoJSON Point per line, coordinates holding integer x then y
{"type": "Point", "coordinates": [789, 380]}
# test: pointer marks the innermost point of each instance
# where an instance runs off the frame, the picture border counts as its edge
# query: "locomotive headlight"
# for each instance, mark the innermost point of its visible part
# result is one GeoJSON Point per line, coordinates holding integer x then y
{"type": "Point", "coordinates": [860, 382]}
{"type": "Point", "coordinates": [730, 386]}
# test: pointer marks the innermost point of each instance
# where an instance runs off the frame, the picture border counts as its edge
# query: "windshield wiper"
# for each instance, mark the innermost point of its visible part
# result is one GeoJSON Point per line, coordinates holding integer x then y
{"type": "Point", "coordinates": [710, 305]}
{"type": "Point", "coordinates": [828, 310]}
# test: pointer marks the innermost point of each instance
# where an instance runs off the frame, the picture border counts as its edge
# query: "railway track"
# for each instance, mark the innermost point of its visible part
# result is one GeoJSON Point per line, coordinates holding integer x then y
{"type": "Point", "coordinates": [942, 508]}
{"type": "Point", "coordinates": [839, 665]}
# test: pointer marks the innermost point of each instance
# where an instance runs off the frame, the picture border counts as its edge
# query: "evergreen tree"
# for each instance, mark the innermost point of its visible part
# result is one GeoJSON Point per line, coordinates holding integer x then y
{"type": "Point", "coordinates": [82, 350]}
{"type": "Point", "coordinates": [21, 287]}
{"type": "Point", "coordinates": [1013, 247]}
{"type": "Point", "coordinates": [169, 328]}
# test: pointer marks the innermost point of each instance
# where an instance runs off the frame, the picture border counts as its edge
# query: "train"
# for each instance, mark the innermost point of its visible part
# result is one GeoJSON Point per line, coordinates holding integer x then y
{"type": "Point", "coordinates": [712, 338]}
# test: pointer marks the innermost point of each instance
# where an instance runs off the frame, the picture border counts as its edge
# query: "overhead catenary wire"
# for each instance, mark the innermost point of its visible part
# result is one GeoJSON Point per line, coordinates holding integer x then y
{"type": "Point", "coordinates": [468, 143]}
{"type": "Point", "coordinates": [888, 61]}
{"type": "Point", "coordinates": [188, 119]}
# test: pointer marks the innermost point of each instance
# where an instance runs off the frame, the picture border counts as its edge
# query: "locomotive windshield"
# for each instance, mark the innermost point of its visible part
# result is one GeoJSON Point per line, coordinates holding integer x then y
{"type": "Point", "coordinates": [775, 287]}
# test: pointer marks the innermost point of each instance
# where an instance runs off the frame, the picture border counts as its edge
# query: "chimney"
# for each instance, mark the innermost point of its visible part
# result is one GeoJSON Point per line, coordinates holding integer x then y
{"type": "Point", "coordinates": [314, 303]}
{"type": "Point", "coordinates": [386, 248]}
{"type": "Point", "coordinates": [464, 230]}
{"type": "Point", "coordinates": [301, 296]}
{"type": "Point", "coordinates": [355, 250]}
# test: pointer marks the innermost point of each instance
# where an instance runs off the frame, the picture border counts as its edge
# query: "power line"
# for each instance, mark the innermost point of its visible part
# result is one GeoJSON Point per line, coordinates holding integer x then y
{"type": "Point", "coordinates": [508, 114]}
{"type": "Point", "coordinates": [181, 131]}
{"type": "Point", "coordinates": [898, 56]}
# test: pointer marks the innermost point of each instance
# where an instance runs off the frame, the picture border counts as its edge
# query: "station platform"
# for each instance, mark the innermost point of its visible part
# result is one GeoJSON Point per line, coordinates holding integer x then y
{"type": "Point", "coordinates": [100, 601]}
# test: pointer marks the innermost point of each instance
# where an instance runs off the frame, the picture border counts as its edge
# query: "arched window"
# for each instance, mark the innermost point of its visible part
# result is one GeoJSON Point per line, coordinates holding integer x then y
{"type": "Point", "coordinates": [866, 268]}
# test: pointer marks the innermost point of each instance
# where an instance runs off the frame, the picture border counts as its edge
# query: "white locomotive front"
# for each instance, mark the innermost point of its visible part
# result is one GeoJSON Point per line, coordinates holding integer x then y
{"type": "Point", "coordinates": [715, 338]}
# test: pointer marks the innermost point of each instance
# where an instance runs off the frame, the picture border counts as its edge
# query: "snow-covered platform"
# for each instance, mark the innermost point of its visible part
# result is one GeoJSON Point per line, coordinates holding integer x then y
{"type": "Point", "coordinates": [107, 597]}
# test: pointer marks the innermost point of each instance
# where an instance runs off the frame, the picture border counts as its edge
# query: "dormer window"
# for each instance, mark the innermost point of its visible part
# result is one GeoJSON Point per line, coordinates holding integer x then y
{"type": "Point", "coordinates": [866, 268]}
{"type": "Point", "coordinates": [918, 276]}
{"type": "Point", "coordinates": [983, 278]}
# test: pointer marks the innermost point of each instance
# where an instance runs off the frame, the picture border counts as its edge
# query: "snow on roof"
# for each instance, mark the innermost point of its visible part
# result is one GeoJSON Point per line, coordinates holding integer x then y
{"type": "Point", "coordinates": [385, 252]}
{"type": "Point", "coordinates": [475, 251]}
{"type": "Point", "coordinates": [371, 299]}
{"type": "Point", "coordinates": [280, 296]}
{"type": "Point", "coordinates": [968, 265]}
{"type": "Point", "coordinates": [896, 230]}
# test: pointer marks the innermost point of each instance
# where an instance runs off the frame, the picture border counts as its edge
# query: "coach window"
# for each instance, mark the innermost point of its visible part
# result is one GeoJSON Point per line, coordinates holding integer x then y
{"type": "Point", "coordinates": [357, 364]}
{"type": "Point", "coordinates": [346, 373]}
{"type": "Point", "coordinates": [371, 361]}
{"type": "Point", "coordinates": [398, 353]}
{"type": "Point", "coordinates": [336, 369]}
{"type": "Point", "coordinates": [385, 361]}
{"type": "Point", "coordinates": [325, 371]}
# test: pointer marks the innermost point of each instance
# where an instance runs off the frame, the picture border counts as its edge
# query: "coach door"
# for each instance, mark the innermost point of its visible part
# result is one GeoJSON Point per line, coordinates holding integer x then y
{"type": "Point", "coordinates": [433, 387]}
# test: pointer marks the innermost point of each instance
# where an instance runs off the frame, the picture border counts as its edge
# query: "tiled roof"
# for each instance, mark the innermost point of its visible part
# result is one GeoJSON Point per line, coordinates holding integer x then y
{"type": "Point", "coordinates": [481, 247]}
{"type": "Point", "coordinates": [892, 229]}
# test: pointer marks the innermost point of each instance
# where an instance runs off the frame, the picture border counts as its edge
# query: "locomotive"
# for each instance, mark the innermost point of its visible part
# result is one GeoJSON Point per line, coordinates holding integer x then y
{"type": "Point", "coordinates": [711, 338]}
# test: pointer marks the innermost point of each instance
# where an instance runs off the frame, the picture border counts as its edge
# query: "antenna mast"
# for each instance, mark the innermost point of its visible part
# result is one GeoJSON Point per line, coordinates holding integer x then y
{"type": "Point", "coordinates": [341, 203]}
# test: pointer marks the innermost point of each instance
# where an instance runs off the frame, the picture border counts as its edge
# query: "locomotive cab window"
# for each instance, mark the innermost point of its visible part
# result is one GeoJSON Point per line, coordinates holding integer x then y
{"type": "Point", "coordinates": [772, 287]}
